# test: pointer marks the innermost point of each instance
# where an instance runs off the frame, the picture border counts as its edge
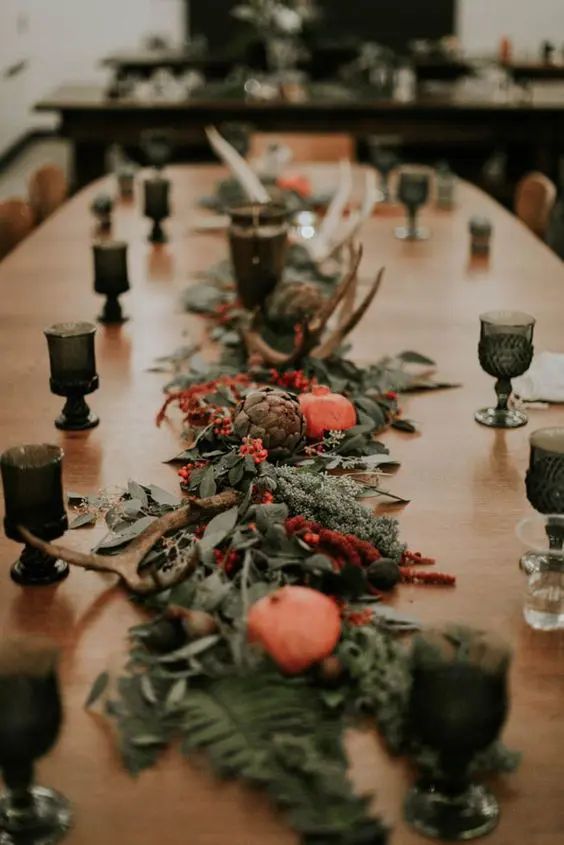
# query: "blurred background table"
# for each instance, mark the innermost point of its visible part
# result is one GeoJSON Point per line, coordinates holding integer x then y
{"type": "Point", "coordinates": [446, 125]}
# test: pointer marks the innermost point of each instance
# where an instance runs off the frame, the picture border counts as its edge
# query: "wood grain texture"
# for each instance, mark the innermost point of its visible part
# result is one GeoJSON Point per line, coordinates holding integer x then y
{"type": "Point", "coordinates": [465, 482]}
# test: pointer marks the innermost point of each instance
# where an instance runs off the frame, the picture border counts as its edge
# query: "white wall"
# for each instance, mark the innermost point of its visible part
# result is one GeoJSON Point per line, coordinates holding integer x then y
{"type": "Point", "coordinates": [63, 40]}
{"type": "Point", "coordinates": [482, 23]}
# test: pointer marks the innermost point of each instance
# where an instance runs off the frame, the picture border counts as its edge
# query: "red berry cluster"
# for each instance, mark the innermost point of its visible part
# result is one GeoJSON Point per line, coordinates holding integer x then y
{"type": "Point", "coordinates": [186, 471]}
{"type": "Point", "coordinates": [253, 446]}
{"type": "Point", "coordinates": [358, 618]}
{"type": "Point", "coordinates": [223, 313]}
{"type": "Point", "coordinates": [391, 395]}
{"type": "Point", "coordinates": [411, 575]}
{"type": "Point", "coordinates": [228, 561]}
{"type": "Point", "coordinates": [191, 400]}
{"type": "Point", "coordinates": [292, 380]}
{"type": "Point", "coordinates": [222, 426]}
{"type": "Point", "coordinates": [267, 498]}
{"type": "Point", "coordinates": [343, 549]}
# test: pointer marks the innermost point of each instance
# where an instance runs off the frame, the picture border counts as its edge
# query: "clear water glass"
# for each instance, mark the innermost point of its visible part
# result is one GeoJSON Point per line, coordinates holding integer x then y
{"type": "Point", "coordinates": [544, 594]}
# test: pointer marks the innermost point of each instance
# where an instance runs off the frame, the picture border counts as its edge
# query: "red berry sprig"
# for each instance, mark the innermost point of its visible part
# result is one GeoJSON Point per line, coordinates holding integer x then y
{"type": "Point", "coordinates": [253, 446]}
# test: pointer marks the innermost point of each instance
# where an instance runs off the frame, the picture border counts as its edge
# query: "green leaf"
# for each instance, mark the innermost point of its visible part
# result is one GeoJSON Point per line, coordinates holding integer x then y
{"type": "Point", "coordinates": [236, 473]}
{"type": "Point", "coordinates": [147, 690]}
{"type": "Point", "coordinates": [97, 689]}
{"type": "Point", "coordinates": [208, 486]}
{"type": "Point", "coordinates": [222, 523]}
{"type": "Point", "coordinates": [190, 650]}
{"type": "Point", "coordinates": [176, 694]}
{"type": "Point", "coordinates": [163, 497]}
{"type": "Point", "coordinates": [319, 563]}
{"type": "Point", "coordinates": [410, 357]}
{"type": "Point", "coordinates": [146, 739]}
{"type": "Point", "coordinates": [83, 519]}
{"type": "Point", "coordinates": [404, 425]}
{"type": "Point", "coordinates": [127, 534]}
{"type": "Point", "coordinates": [136, 491]}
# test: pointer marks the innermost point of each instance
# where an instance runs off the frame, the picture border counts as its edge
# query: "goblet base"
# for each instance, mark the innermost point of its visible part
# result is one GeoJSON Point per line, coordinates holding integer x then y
{"type": "Point", "coordinates": [45, 821]}
{"type": "Point", "coordinates": [456, 818]}
{"type": "Point", "coordinates": [407, 233]}
{"type": "Point", "coordinates": [35, 569]}
{"type": "Point", "coordinates": [494, 418]}
{"type": "Point", "coordinates": [65, 424]}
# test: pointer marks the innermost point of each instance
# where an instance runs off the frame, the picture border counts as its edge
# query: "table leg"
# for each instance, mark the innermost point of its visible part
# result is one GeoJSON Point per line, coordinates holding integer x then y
{"type": "Point", "coordinates": [89, 162]}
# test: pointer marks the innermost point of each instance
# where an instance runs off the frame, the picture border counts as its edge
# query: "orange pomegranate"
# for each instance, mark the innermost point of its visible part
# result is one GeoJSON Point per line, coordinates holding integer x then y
{"type": "Point", "coordinates": [326, 411]}
{"type": "Point", "coordinates": [296, 626]}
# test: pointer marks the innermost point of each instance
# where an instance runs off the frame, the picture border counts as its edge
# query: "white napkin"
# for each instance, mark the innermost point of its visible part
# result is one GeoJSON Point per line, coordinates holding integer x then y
{"type": "Point", "coordinates": [544, 380]}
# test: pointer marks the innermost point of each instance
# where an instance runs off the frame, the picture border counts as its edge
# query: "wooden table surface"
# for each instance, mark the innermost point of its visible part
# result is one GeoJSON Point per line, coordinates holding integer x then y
{"type": "Point", "coordinates": [465, 483]}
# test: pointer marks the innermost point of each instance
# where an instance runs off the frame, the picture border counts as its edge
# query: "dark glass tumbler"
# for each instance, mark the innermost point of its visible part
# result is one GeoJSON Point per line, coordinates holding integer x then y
{"type": "Point", "coordinates": [111, 278]}
{"type": "Point", "coordinates": [457, 708]}
{"type": "Point", "coordinates": [157, 206]}
{"type": "Point", "coordinates": [73, 372]}
{"type": "Point", "coordinates": [258, 238]}
{"type": "Point", "coordinates": [544, 483]}
{"type": "Point", "coordinates": [33, 497]}
{"type": "Point", "coordinates": [505, 351]}
{"type": "Point", "coordinates": [30, 721]}
{"type": "Point", "coordinates": [413, 192]}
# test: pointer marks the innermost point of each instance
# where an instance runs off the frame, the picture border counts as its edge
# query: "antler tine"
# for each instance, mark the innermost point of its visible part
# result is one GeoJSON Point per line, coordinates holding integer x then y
{"type": "Point", "coordinates": [336, 338]}
{"type": "Point", "coordinates": [126, 564]}
{"type": "Point", "coordinates": [350, 296]}
{"type": "Point", "coordinates": [318, 324]}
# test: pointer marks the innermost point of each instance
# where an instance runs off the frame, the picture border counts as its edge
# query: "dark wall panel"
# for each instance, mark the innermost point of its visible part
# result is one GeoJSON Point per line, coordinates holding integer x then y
{"type": "Point", "coordinates": [392, 22]}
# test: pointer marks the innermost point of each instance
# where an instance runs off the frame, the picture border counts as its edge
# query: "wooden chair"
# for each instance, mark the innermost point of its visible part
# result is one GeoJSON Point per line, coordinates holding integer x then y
{"type": "Point", "coordinates": [535, 196]}
{"type": "Point", "coordinates": [306, 147]}
{"type": "Point", "coordinates": [16, 222]}
{"type": "Point", "coordinates": [48, 189]}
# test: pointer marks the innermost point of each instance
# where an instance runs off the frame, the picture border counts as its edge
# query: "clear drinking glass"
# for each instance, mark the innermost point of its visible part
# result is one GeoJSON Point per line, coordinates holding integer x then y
{"type": "Point", "coordinates": [544, 484]}
{"type": "Point", "coordinates": [544, 564]}
{"type": "Point", "coordinates": [505, 351]}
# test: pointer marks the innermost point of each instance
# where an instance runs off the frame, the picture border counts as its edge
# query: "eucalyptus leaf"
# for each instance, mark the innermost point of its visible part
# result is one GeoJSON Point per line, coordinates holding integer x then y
{"type": "Point", "coordinates": [208, 486]}
{"type": "Point", "coordinates": [136, 491]}
{"type": "Point", "coordinates": [176, 694]}
{"type": "Point", "coordinates": [82, 520]}
{"type": "Point", "coordinates": [98, 687]}
{"type": "Point", "coordinates": [163, 497]}
{"type": "Point", "coordinates": [113, 540]}
{"type": "Point", "coordinates": [410, 357]}
{"type": "Point", "coordinates": [190, 650]}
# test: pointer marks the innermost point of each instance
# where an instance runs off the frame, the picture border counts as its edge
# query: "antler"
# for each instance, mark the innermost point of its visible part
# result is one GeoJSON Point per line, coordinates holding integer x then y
{"type": "Point", "coordinates": [310, 337]}
{"type": "Point", "coordinates": [312, 330]}
{"type": "Point", "coordinates": [348, 322]}
{"type": "Point", "coordinates": [127, 564]}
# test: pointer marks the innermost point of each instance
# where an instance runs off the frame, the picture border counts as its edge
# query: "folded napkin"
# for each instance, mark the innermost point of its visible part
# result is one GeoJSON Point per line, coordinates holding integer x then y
{"type": "Point", "coordinates": [544, 380]}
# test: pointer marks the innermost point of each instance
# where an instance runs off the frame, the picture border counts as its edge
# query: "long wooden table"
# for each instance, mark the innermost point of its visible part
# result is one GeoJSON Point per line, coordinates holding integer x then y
{"type": "Point", "coordinates": [465, 483]}
{"type": "Point", "coordinates": [533, 132]}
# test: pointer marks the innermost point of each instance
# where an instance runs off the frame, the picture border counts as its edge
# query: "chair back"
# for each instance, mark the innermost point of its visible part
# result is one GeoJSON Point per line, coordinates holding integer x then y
{"type": "Point", "coordinates": [16, 222]}
{"type": "Point", "coordinates": [306, 147]}
{"type": "Point", "coordinates": [48, 189]}
{"type": "Point", "coordinates": [535, 196]}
